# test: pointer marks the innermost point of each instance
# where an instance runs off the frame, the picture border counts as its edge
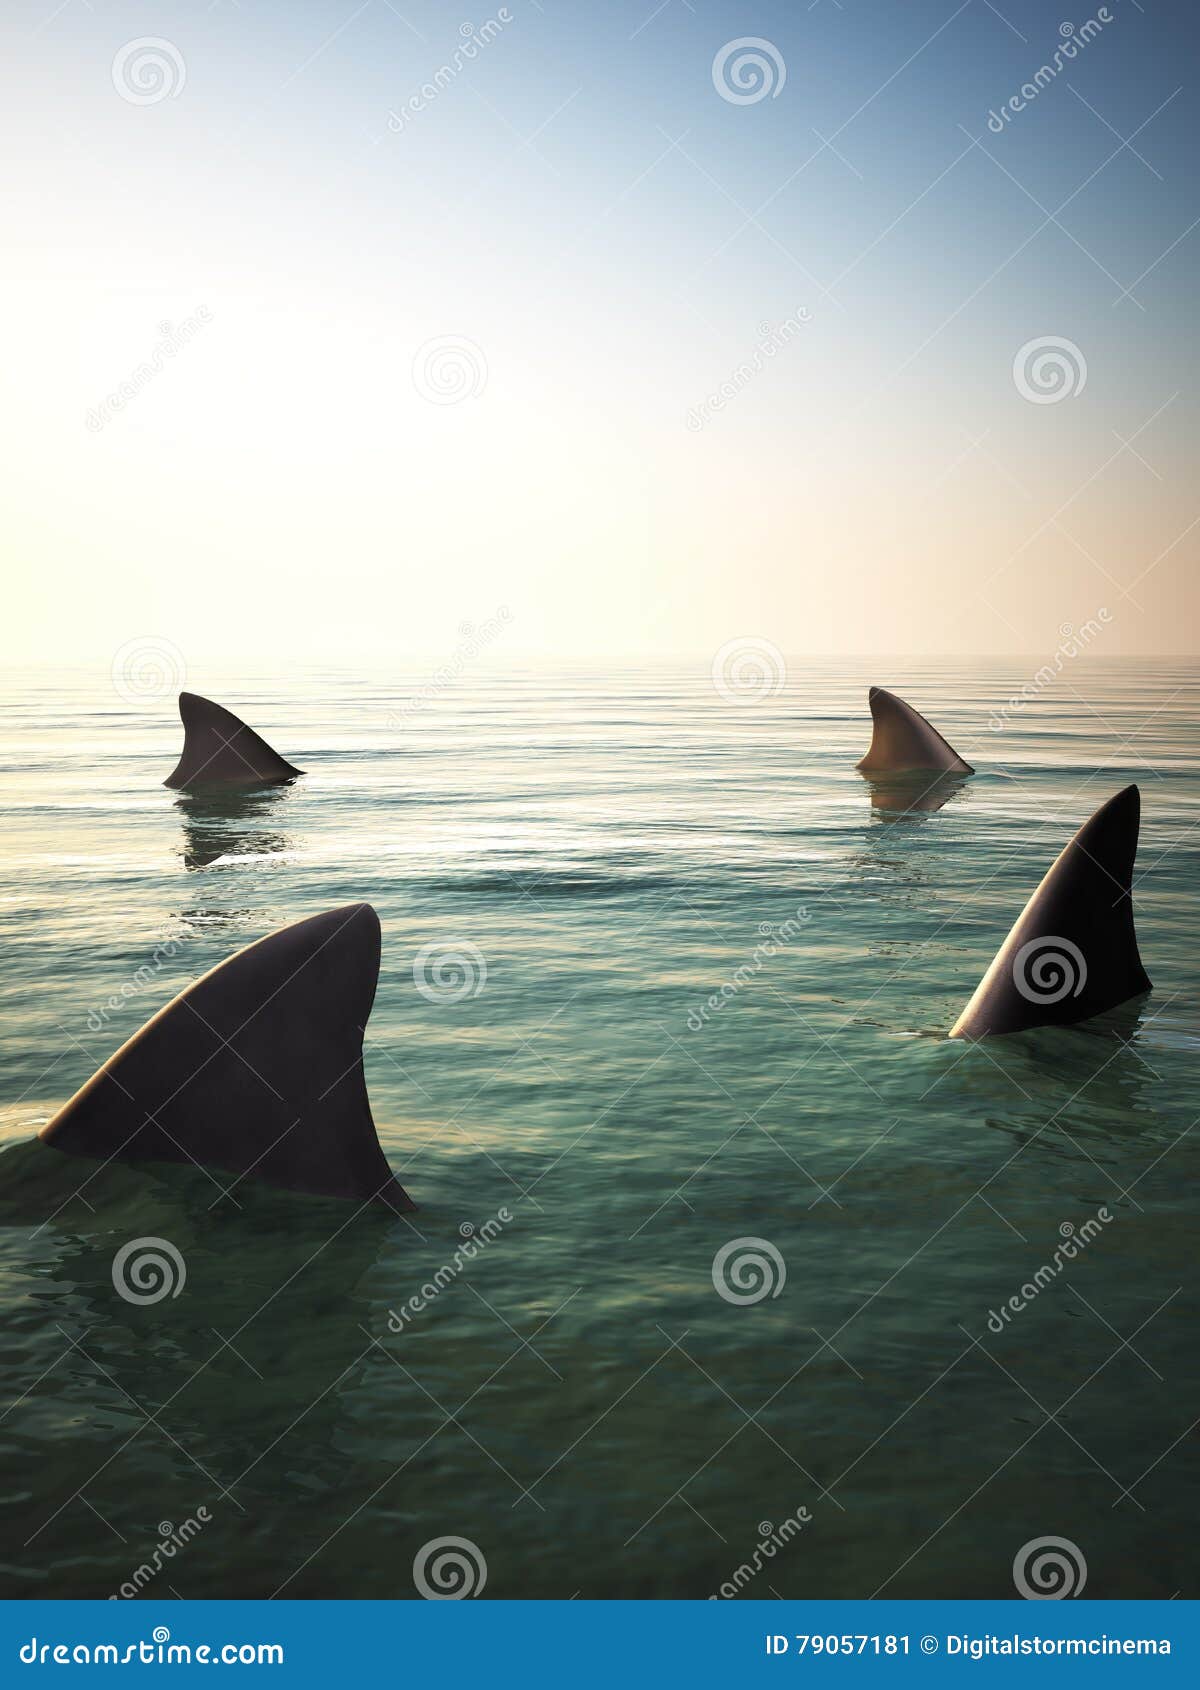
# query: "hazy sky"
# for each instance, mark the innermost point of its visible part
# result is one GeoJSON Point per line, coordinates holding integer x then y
{"type": "Point", "coordinates": [433, 353]}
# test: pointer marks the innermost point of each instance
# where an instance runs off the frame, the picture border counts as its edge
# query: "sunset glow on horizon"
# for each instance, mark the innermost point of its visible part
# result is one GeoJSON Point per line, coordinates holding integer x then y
{"type": "Point", "coordinates": [328, 335]}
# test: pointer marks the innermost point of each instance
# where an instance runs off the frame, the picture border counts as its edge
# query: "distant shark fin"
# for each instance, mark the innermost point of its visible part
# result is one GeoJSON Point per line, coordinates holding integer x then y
{"type": "Point", "coordinates": [902, 739]}
{"type": "Point", "coordinates": [220, 750]}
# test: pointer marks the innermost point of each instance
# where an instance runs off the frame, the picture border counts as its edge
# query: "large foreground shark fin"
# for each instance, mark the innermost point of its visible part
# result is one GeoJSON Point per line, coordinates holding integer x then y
{"type": "Point", "coordinates": [1073, 952]}
{"type": "Point", "coordinates": [255, 1068]}
{"type": "Point", "coordinates": [220, 750]}
{"type": "Point", "coordinates": [902, 739]}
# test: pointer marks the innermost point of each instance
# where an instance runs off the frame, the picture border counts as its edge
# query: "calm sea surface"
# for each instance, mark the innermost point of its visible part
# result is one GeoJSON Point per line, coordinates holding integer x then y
{"type": "Point", "coordinates": [580, 1402]}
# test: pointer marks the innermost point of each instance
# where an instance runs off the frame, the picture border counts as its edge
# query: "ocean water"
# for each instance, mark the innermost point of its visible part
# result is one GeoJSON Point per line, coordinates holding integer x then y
{"type": "Point", "coordinates": [606, 848]}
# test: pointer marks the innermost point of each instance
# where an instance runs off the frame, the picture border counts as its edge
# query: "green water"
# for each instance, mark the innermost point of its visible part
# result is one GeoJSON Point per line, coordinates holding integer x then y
{"type": "Point", "coordinates": [579, 1401]}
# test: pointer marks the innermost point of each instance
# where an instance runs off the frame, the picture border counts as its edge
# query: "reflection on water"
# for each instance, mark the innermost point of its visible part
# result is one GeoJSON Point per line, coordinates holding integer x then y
{"type": "Point", "coordinates": [911, 793]}
{"type": "Point", "coordinates": [257, 1318]}
{"type": "Point", "coordinates": [622, 850]}
{"type": "Point", "coordinates": [232, 822]}
{"type": "Point", "coordinates": [1102, 1074]}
